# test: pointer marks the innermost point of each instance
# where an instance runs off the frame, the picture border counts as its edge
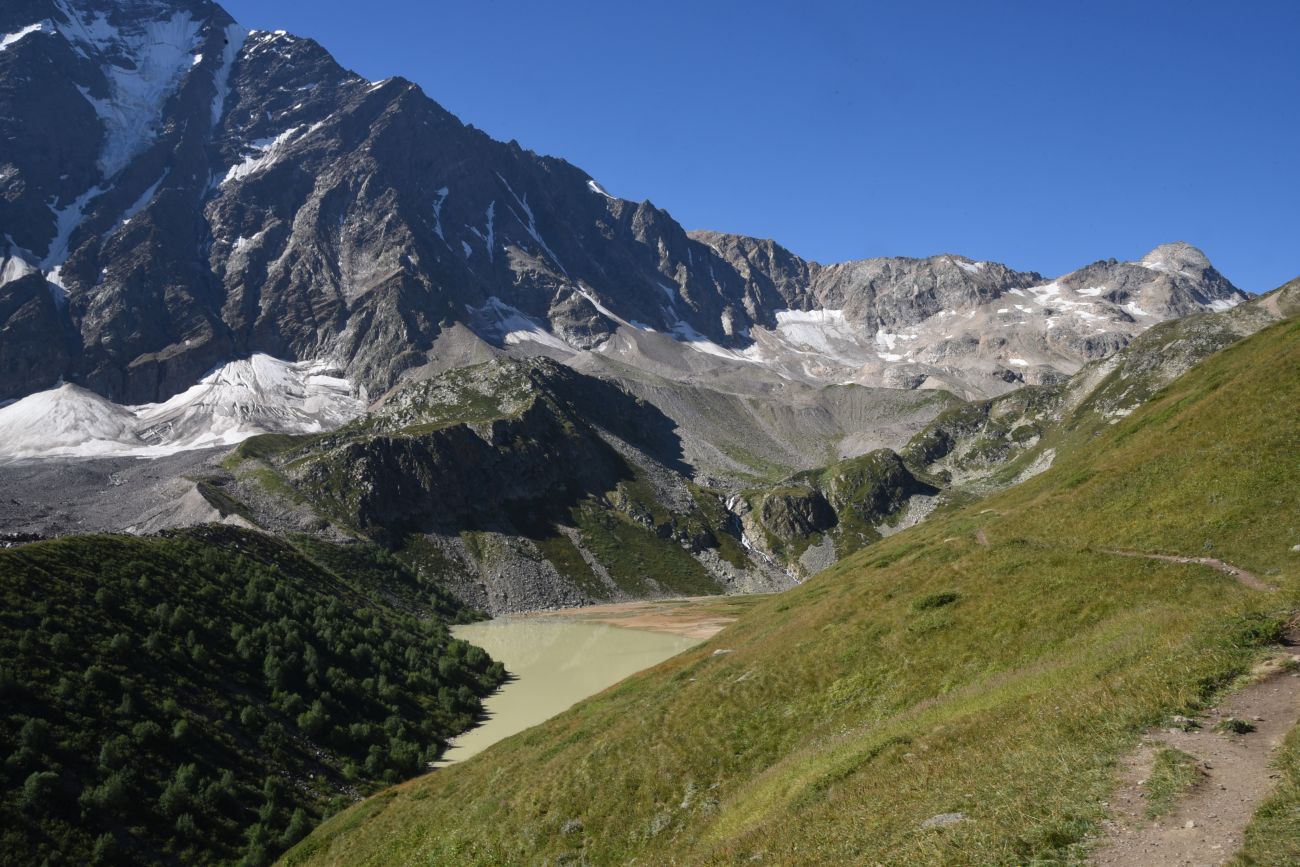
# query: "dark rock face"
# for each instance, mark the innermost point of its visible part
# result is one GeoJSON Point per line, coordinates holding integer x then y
{"type": "Point", "coordinates": [193, 192]}
{"type": "Point", "coordinates": [795, 513]}
{"type": "Point", "coordinates": [831, 512]}
{"type": "Point", "coordinates": [464, 449]}
{"type": "Point", "coordinates": [462, 475]}
{"type": "Point", "coordinates": [34, 346]}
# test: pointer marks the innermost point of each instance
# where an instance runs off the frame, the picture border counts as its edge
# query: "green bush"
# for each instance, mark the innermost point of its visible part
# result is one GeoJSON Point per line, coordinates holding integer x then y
{"type": "Point", "coordinates": [935, 600]}
{"type": "Point", "coordinates": [39, 790]}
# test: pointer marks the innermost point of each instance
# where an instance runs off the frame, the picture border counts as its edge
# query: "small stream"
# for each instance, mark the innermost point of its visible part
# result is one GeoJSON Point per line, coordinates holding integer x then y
{"type": "Point", "coordinates": [555, 663]}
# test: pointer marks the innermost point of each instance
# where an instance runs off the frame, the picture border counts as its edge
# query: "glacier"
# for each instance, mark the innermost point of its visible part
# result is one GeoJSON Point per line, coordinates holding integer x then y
{"type": "Point", "coordinates": [235, 401]}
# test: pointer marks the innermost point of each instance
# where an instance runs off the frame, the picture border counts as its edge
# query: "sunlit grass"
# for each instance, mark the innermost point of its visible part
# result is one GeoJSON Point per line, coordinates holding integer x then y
{"type": "Point", "coordinates": [1173, 772]}
{"type": "Point", "coordinates": [854, 707]}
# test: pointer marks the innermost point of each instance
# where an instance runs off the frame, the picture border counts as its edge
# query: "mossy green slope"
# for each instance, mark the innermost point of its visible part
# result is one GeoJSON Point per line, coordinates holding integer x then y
{"type": "Point", "coordinates": [994, 661]}
{"type": "Point", "coordinates": [847, 503]}
{"type": "Point", "coordinates": [206, 696]}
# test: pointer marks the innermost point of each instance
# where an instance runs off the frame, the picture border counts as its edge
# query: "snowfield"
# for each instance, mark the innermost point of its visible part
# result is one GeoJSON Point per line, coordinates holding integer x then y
{"type": "Point", "coordinates": [256, 395]}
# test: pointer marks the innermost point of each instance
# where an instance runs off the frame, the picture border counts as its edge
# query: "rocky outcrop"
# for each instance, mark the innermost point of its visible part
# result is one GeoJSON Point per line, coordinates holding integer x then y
{"type": "Point", "coordinates": [34, 344]}
{"type": "Point", "coordinates": [458, 475]}
{"type": "Point", "coordinates": [790, 513]}
{"type": "Point", "coordinates": [815, 518]}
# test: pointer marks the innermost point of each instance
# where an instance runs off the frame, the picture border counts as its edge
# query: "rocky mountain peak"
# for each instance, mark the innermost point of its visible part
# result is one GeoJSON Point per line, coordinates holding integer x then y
{"type": "Point", "coordinates": [189, 193]}
{"type": "Point", "coordinates": [1178, 257]}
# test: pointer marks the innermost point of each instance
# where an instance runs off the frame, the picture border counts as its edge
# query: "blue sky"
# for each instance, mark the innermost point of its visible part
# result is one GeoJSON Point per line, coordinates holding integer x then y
{"type": "Point", "coordinates": [1042, 134]}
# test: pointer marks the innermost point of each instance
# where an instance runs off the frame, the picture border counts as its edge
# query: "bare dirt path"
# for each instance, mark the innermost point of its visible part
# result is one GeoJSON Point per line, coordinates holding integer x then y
{"type": "Point", "coordinates": [1247, 579]}
{"type": "Point", "coordinates": [1207, 824]}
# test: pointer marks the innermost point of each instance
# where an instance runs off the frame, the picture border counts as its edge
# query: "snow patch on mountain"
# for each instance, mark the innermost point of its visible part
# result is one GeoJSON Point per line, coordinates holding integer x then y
{"type": "Point", "coordinates": [264, 152]}
{"type": "Point", "coordinates": [255, 395]}
{"type": "Point", "coordinates": [605, 311]}
{"type": "Point", "coordinates": [242, 243]}
{"type": "Point", "coordinates": [497, 320]}
{"type": "Point", "coordinates": [1221, 304]}
{"type": "Point", "coordinates": [143, 62]}
{"type": "Point", "coordinates": [442, 194]}
{"type": "Point", "coordinates": [235, 36]}
{"type": "Point", "coordinates": [66, 221]}
{"type": "Point", "coordinates": [530, 226]}
{"type": "Point", "coordinates": [688, 336]}
{"type": "Point", "coordinates": [488, 236]}
{"type": "Point", "coordinates": [14, 267]}
{"type": "Point", "coordinates": [145, 198]}
{"type": "Point", "coordinates": [45, 26]}
{"type": "Point", "coordinates": [818, 330]}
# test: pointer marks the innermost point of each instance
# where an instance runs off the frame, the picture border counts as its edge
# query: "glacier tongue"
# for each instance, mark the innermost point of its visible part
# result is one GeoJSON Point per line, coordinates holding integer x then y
{"type": "Point", "coordinates": [256, 395]}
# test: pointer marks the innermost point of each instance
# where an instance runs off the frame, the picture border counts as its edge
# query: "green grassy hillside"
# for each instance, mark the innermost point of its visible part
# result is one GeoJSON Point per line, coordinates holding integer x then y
{"type": "Point", "coordinates": [206, 696]}
{"type": "Point", "coordinates": [994, 661]}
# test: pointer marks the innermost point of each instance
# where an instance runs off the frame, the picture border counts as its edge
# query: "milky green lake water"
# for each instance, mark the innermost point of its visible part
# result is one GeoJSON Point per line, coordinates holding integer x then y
{"type": "Point", "coordinates": [556, 663]}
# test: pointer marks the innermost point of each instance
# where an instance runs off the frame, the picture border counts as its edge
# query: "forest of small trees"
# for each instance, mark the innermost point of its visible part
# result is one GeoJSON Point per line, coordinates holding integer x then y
{"type": "Point", "coordinates": [209, 695]}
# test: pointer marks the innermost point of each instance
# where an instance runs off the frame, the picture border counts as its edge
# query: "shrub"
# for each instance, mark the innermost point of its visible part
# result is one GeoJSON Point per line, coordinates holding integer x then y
{"type": "Point", "coordinates": [297, 828]}
{"type": "Point", "coordinates": [1257, 630]}
{"type": "Point", "coordinates": [935, 600]}
{"type": "Point", "coordinates": [120, 646]}
{"type": "Point", "coordinates": [39, 790]}
{"type": "Point", "coordinates": [146, 733]}
{"type": "Point", "coordinates": [35, 734]}
{"type": "Point", "coordinates": [106, 850]}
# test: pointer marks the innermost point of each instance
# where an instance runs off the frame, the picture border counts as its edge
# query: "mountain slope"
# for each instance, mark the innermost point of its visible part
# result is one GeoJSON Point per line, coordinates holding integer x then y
{"type": "Point", "coordinates": [985, 445]}
{"type": "Point", "coordinates": [518, 485]}
{"type": "Point", "coordinates": [178, 193]}
{"type": "Point", "coordinates": [808, 520]}
{"type": "Point", "coordinates": [993, 662]}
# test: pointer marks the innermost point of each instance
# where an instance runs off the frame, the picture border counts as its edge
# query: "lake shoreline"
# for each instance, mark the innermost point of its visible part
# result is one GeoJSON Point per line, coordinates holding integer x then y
{"type": "Point", "coordinates": [699, 617]}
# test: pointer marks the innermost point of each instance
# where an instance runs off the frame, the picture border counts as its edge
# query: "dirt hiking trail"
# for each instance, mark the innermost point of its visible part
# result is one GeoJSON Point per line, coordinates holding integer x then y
{"type": "Point", "coordinates": [1208, 821]}
{"type": "Point", "coordinates": [1246, 579]}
